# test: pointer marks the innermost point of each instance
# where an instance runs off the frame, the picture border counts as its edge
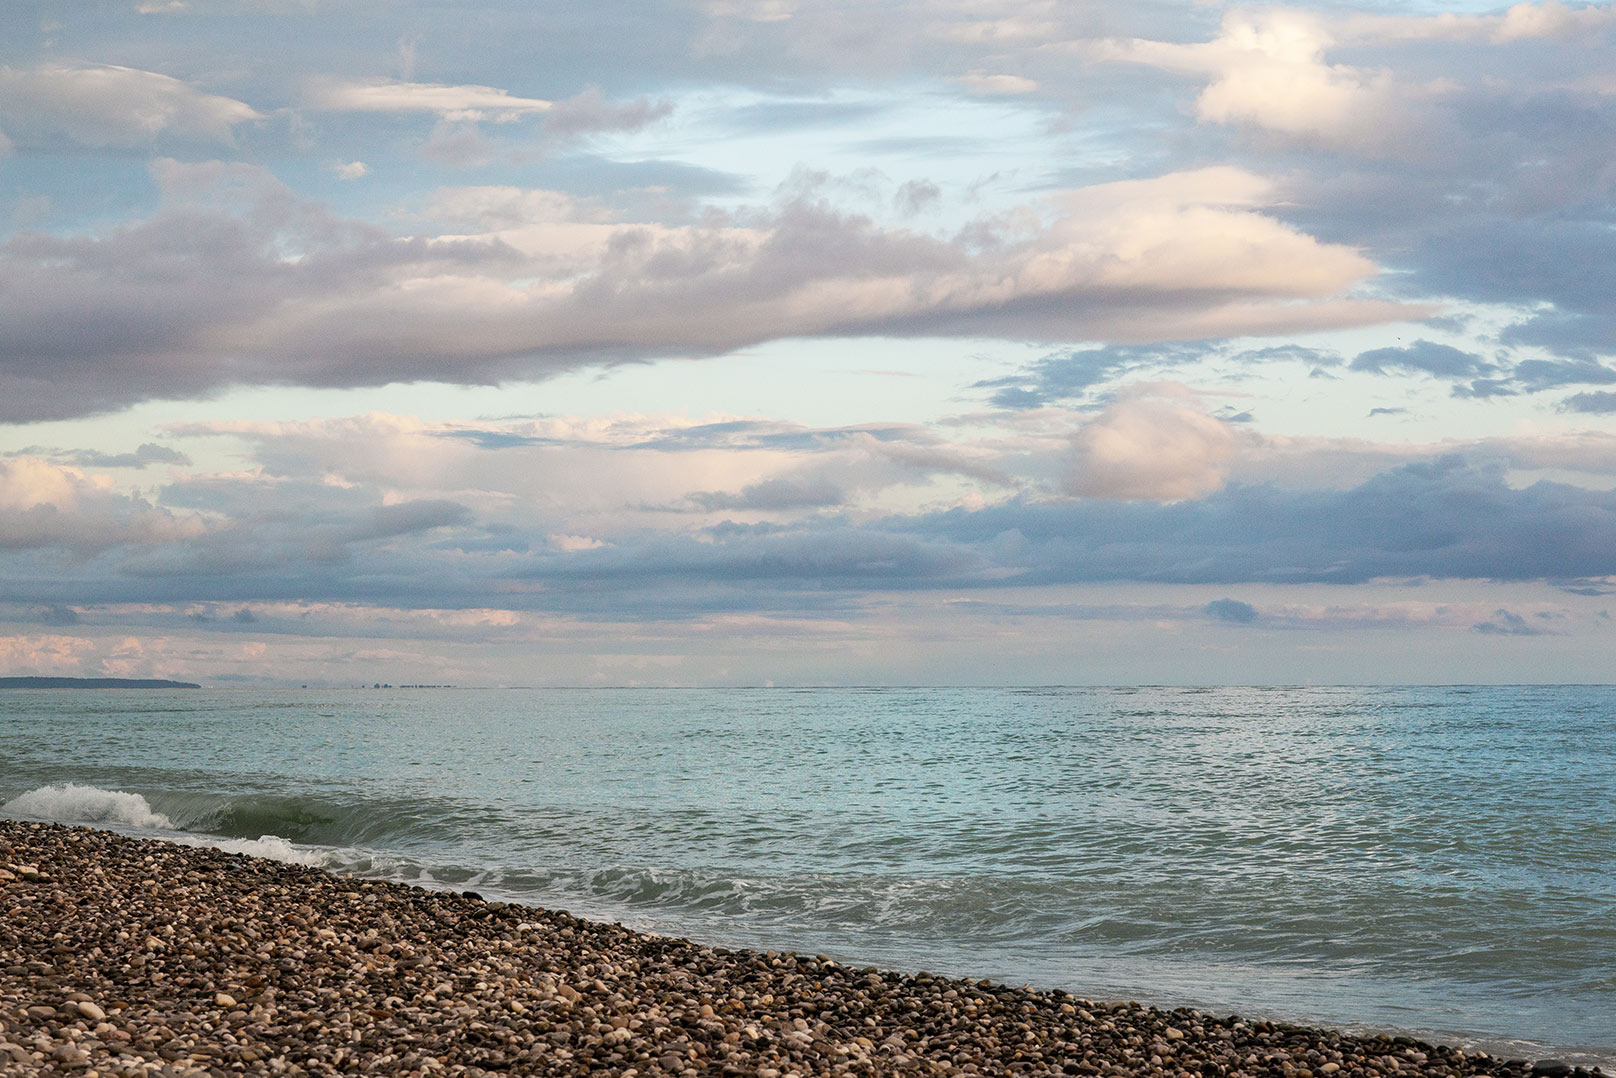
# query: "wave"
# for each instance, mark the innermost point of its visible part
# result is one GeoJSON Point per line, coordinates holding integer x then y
{"type": "Point", "coordinates": [72, 803]}
{"type": "Point", "coordinates": [269, 847]}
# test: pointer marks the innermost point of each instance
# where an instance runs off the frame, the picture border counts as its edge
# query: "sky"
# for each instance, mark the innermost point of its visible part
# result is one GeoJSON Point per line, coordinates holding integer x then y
{"type": "Point", "coordinates": [712, 342]}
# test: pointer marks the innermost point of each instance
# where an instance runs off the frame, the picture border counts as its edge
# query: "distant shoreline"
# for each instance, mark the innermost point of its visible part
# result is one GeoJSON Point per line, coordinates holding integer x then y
{"type": "Point", "coordinates": [92, 683]}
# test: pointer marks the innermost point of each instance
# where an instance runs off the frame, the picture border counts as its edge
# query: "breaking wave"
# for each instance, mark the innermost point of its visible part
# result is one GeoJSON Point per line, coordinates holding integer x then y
{"type": "Point", "coordinates": [72, 803]}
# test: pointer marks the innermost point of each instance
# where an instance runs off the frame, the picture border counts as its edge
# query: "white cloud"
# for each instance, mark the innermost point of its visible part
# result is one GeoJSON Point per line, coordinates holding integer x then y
{"type": "Point", "coordinates": [459, 108]}
{"type": "Point", "coordinates": [1269, 69]}
{"type": "Point", "coordinates": [351, 170]}
{"type": "Point", "coordinates": [751, 10]}
{"type": "Point", "coordinates": [1151, 444]}
{"type": "Point", "coordinates": [295, 294]}
{"type": "Point", "coordinates": [43, 655]}
{"type": "Point", "coordinates": [455, 103]}
{"type": "Point", "coordinates": [978, 82]}
{"type": "Point", "coordinates": [1521, 22]}
{"type": "Point", "coordinates": [570, 543]}
{"type": "Point", "coordinates": [108, 106]}
{"type": "Point", "coordinates": [47, 505]}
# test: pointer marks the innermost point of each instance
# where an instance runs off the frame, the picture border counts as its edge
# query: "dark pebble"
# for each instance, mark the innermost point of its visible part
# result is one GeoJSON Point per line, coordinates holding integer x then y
{"type": "Point", "coordinates": [232, 966]}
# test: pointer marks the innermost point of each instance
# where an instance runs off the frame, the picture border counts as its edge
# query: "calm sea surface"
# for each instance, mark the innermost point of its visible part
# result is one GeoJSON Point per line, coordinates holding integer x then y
{"type": "Point", "coordinates": [1436, 860]}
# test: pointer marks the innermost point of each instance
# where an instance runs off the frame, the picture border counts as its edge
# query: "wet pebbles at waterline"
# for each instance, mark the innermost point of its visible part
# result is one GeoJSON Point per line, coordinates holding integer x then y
{"type": "Point", "coordinates": [130, 957]}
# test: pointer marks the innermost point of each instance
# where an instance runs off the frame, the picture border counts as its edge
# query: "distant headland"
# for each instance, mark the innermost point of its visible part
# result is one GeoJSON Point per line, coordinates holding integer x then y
{"type": "Point", "coordinates": [92, 683]}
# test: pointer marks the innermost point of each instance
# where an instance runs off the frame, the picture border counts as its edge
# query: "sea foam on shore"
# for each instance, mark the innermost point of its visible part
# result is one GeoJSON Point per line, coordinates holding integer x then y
{"type": "Point", "coordinates": [122, 956]}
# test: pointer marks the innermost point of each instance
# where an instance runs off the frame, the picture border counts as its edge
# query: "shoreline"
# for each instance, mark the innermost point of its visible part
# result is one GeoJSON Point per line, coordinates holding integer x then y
{"type": "Point", "coordinates": [126, 956]}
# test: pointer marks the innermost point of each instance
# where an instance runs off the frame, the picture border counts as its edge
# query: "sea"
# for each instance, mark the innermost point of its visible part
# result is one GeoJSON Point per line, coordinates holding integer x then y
{"type": "Point", "coordinates": [1431, 861]}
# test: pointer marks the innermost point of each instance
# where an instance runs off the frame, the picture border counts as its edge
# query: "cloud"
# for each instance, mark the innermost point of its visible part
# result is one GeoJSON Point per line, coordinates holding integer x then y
{"type": "Point", "coordinates": [979, 82]}
{"type": "Point", "coordinates": [351, 170]}
{"type": "Point", "coordinates": [455, 103]}
{"type": "Point", "coordinates": [43, 655]}
{"type": "Point", "coordinates": [572, 543]}
{"type": "Point", "coordinates": [294, 295]}
{"type": "Point", "coordinates": [1231, 610]}
{"type": "Point", "coordinates": [58, 616]}
{"type": "Point", "coordinates": [1535, 375]}
{"type": "Point", "coordinates": [1450, 517]}
{"type": "Point", "coordinates": [1150, 444]}
{"type": "Point", "coordinates": [108, 107]}
{"type": "Point", "coordinates": [773, 494]}
{"type": "Point", "coordinates": [1269, 69]}
{"type": "Point", "coordinates": [1590, 403]}
{"type": "Point", "coordinates": [917, 195]}
{"type": "Point", "coordinates": [579, 522]}
{"type": "Point", "coordinates": [1064, 375]}
{"type": "Point", "coordinates": [1521, 22]}
{"type": "Point", "coordinates": [1526, 376]}
{"type": "Point", "coordinates": [585, 113]}
{"type": "Point", "coordinates": [1442, 360]}
{"type": "Point", "coordinates": [147, 454]}
{"type": "Point", "coordinates": [751, 10]}
{"type": "Point", "coordinates": [590, 113]}
{"type": "Point", "coordinates": [1505, 623]}
{"type": "Point", "coordinates": [43, 505]}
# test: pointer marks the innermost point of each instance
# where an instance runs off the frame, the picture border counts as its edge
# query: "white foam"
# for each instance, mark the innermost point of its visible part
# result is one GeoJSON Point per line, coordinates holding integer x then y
{"type": "Point", "coordinates": [72, 803]}
{"type": "Point", "coordinates": [270, 847]}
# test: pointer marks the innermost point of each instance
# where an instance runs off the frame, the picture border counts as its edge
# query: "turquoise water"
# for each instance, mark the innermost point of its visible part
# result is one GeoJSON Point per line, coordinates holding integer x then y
{"type": "Point", "coordinates": [1437, 860]}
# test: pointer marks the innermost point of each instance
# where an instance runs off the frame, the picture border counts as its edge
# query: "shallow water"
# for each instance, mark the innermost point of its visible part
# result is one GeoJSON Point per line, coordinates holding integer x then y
{"type": "Point", "coordinates": [1438, 860]}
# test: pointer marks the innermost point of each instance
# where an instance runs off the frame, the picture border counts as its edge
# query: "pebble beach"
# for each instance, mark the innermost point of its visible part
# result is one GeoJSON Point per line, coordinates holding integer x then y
{"type": "Point", "coordinates": [122, 956]}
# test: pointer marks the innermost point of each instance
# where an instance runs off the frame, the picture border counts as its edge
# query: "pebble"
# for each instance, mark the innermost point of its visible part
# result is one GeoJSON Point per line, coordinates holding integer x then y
{"type": "Point", "coordinates": [140, 959]}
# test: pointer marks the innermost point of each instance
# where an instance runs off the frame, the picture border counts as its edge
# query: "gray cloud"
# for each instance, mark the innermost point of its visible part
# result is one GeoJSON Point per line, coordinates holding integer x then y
{"type": "Point", "coordinates": [773, 494]}
{"type": "Point", "coordinates": [591, 113]}
{"type": "Point", "coordinates": [59, 616]}
{"type": "Point", "coordinates": [1505, 623]}
{"type": "Point", "coordinates": [1231, 610]}
{"type": "Point", "coordinates": [104, 106]}
{"type": "Point", "coordinates": [147, 454]}
{"type": "Point", "coordinates": [149, 310]}
{"type": "Point", "coordinates": [1537, 375]}
{"type": "Point", "coordinates": [1428, 357]}
{"type": "Point", "coordinates": [785, 115]}
{"type": "Point", "coordinates": [1450, 518]}
{"type": "Point", "coordinates": [1590, 403]}
{"type": "Point", "coordinates": [1540, 374]}
{"type": "Point", "coordinates": [1064, 375]}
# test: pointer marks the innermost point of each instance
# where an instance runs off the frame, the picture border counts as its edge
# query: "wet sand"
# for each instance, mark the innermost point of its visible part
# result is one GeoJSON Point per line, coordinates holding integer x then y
{"type": "Point", "coordinates": [120, 956]}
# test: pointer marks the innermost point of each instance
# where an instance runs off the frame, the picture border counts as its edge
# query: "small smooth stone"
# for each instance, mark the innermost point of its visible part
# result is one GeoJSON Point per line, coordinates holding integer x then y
{"type": "Point", "coordinates": [1551, 1068]}
{"type": "Point", "coordinates": [90, 1010]}
{"type": "Point", "coordinates": [224, 999]}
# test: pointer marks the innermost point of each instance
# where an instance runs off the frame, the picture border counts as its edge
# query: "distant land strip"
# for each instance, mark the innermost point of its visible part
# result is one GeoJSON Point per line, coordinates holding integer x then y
{"type": "Point", "coordinates": [93, 683]}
